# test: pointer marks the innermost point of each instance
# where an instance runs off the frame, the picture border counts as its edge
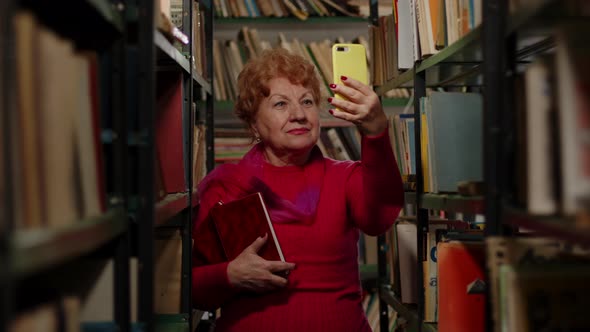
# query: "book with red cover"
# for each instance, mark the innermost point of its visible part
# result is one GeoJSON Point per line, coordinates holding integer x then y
{"type": "Point", "coordinates": [238, 223]}
{"type": "Point", "coordinates": [459, 264]}
{"type": "Point", "coordinates": [169, 140]}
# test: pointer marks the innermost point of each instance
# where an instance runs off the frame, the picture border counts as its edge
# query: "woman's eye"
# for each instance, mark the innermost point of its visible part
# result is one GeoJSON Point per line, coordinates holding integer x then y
{"type": "Point", "coordinates": [280, 104]}
{"type": "Point", "coordinates": [308, 102]}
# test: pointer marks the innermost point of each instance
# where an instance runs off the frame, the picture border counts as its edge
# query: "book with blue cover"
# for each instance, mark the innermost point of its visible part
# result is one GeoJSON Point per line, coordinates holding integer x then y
{"type": "Point", "coordinates": [454, 123]}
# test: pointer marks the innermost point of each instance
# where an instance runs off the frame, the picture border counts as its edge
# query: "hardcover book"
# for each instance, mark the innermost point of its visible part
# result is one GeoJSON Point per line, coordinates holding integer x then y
{"type": "Point", "coordinates": [238, 223]}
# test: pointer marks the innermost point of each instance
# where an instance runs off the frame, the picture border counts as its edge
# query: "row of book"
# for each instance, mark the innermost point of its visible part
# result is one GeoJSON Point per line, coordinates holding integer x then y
{"type": "Point", "coordinates": [231, 55]}
{"type": "Point", "coordinates": [57, 156]}
{"type": "Point", "coordinates": [538, 283]}
{"type": "Point", "coordinates": [552, 119]}
{"type": "Point", "coordinates": [171, 156]}
{"type": "Point", "coordinates": [450, 141]}
{"type": "Point", "coordinates": [418, 29]}
{"type": "Point", "coordinates": [301, 9]}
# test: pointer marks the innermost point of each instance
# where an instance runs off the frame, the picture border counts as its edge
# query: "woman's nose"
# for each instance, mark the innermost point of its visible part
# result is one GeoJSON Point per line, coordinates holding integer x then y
{"type": "Point", "coordinates": [297, 112]}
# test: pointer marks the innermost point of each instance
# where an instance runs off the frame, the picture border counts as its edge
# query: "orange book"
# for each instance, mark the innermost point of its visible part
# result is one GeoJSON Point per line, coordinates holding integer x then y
{"type": "Point", "coordinates": [460, 264]}
{"type": "Point", "coordinates": [238, 223]}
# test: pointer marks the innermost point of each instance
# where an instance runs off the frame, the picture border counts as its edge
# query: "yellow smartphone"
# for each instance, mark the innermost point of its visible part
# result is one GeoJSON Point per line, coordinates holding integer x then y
{"type": "Point", "coordinates": [349, 60]}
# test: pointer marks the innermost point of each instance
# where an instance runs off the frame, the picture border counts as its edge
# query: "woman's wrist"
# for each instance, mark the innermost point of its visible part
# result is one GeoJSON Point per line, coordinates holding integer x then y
{"type": "Point", "coordinates": [374, 128]}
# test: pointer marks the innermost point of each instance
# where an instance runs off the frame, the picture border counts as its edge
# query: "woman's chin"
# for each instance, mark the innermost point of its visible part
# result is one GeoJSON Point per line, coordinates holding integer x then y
{"type": "Point", "coordinates": [303, 147]}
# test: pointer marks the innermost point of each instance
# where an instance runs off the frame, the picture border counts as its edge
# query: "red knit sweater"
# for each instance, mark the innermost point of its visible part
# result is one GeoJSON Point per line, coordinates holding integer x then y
{"type": "Point", "coordinates": [324, 292]}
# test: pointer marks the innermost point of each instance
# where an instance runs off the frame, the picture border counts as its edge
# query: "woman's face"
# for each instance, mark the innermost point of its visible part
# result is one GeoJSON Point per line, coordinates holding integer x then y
{"type": "Point", "coordinates": [287, 120]}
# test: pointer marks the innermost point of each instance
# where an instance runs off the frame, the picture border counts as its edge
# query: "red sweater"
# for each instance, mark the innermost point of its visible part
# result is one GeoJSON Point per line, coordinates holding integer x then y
{"type": "Point", "coordinates": [324, 292]}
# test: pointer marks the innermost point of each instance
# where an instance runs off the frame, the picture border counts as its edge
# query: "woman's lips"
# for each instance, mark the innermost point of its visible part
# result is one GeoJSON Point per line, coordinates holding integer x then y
{"type": "Point", "coordinates": [298, 131]}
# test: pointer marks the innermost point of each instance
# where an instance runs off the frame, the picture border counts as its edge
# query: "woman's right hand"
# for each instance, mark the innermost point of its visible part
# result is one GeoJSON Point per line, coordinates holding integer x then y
{"type": "Point", "coordinates": [251, 272]}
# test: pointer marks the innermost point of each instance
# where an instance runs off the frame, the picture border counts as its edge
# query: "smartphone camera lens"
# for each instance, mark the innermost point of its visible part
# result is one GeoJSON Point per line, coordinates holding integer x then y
{"type": "Point", "coordinates": [341, 49]}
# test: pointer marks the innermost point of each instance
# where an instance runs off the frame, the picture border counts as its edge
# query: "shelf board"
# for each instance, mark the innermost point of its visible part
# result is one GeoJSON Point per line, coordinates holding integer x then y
{"type": "Point", "coordinates": [40, 249]}
{"type": "Point", "coordinates": [202, 82]}
{"type": "Point", "coordinates": [409, 312]}
{"type": "Point", "coordinates": [368, 271]}
{"type": "Point", "coordinates": [109, 13]}
{"type": "Point", "coordinates": [449, 203]}
{"type": "Point", "coordinates": [395, 102]}
{"type": "Point", "coordinates": [170, 206]}
{"type": "Point", "coordinates": [171, 323]}
{"type": "Point", "coordinates": [172, 54]}
{"type": "Point", "coordinates": [109, 327]}
{"type": "Point", "coordinates": [290, 20]}
{"type": "Point", "coordinates": [556, 226]}
{"type": "Point", "coordinates": [462, 51]}
{"type": "Point", "coordinates": [91, 24]}
{"type": "Point", "coordinates": [398, 82]}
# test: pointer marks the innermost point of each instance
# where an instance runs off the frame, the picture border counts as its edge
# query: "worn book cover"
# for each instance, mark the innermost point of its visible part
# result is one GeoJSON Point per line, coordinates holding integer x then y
{"type": "Point", "coordinates": [238, 223]}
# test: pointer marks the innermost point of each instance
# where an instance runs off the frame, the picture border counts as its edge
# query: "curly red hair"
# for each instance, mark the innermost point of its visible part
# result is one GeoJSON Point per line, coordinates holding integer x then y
{"type": "Point", "coordinates": [253, 80]}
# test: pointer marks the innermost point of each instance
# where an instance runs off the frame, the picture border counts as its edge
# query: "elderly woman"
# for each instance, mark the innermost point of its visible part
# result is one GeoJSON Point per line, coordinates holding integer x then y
{"type": "Point", "coordinates": [319, 204]}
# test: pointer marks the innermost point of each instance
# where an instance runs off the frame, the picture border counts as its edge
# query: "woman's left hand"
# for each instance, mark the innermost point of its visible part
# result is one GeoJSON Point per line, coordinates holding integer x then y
{"type": "Point", "coordinates": [361, 107]}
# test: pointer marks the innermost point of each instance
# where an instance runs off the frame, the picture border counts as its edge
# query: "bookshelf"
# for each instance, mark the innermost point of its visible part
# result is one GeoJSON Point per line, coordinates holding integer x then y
{"type": "Point", "coordinates": [171, 77]}
{"type": "Point", "coordinates": [40, 248]}
{"type": "Point", "coordinates": [128, 63]}
{"type": "Point", "coordinates": [491, 59]}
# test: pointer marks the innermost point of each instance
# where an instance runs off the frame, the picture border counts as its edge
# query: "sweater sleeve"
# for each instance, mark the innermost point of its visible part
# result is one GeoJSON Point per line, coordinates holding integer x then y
{"type": "Point", "coordinates": [210, 283]}
{"type": "Point", "coordinates": [374, 190]}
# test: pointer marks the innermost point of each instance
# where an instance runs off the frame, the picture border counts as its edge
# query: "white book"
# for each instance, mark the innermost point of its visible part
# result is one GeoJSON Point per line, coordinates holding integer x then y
{"type": "Point", "coordinates": [406, 27]}
{"type": "Point", "coordinates": [407, 247]}
{"type": "Point", "coordinates": [539, 153]}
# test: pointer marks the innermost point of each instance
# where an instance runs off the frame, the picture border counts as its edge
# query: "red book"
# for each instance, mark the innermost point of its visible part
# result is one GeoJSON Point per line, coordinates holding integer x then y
{"type": "Point", "coordinates": [169, 143]}
{"type": "Point", "coordinates": [459, 264]}
{"type": "Point", "coordinates": [238, 223]}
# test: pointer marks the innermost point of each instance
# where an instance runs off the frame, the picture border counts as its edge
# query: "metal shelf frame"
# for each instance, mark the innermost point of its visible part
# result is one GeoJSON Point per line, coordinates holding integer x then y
{"type": "Point", "coordinates": [175, 210]}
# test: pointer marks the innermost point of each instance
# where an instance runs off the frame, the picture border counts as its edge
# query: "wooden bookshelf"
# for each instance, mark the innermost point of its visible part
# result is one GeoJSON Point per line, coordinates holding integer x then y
{"type": "Point", "coordinates": [36, 250]}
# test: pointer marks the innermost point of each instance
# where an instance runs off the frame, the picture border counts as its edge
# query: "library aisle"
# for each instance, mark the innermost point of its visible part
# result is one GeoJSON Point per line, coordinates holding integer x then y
{"type": "Point", "coordinates": [113, 111]}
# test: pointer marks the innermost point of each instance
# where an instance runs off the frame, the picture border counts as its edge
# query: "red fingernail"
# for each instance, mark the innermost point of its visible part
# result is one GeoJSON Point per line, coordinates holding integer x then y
{"type": "Point", "coordinates": [333, 86]}
{"type": "Point", "coordinates": [344, 78]}
{"type": "Point", "coordinates": [331, 112]}
{"type": "Point", "coordinates": [330, 99]}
